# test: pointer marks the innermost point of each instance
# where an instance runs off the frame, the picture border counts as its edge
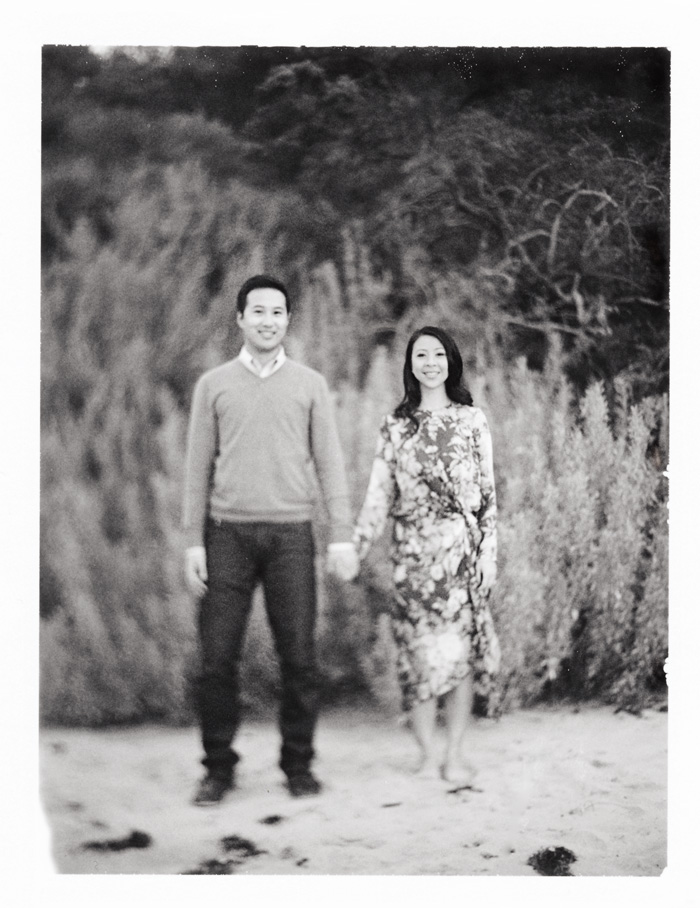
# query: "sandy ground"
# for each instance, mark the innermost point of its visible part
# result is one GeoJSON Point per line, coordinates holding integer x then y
{"type": "Point", "coordinates": [591, 781]}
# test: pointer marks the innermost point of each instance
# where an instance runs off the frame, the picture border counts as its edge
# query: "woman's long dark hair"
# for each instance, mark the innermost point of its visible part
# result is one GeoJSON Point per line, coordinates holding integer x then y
{"type": "Point", "coordinates": [454, 384]}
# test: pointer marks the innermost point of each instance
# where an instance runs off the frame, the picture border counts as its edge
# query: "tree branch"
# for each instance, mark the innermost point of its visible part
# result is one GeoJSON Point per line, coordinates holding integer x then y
{"type": "Point", "coordinates": [554, 236]}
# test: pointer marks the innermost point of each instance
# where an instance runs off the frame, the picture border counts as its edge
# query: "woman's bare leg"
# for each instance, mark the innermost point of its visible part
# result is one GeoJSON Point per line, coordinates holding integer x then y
{"type": "Point", "coordinates": [458, 709]}
{"type": "Point", "coordinates": [423, 717]}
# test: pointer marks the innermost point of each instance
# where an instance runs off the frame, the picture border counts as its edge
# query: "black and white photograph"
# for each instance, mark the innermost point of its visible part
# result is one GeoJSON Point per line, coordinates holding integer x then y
{"type": "Point", "coordinates": [353, 427]}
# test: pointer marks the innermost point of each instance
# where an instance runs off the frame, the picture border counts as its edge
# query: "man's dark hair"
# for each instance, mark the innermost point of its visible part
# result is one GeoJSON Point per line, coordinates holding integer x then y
{"type": "Point", "coordinates": [256, 283]}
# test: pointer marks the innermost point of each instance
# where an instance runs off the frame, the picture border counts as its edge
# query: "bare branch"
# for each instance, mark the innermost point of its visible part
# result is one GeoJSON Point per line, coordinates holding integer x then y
{"type": "Point", "coordinates": [554, 237]}
{"type": "Point", "coordinates": [547, 327]}
{"type": "Point", "coordinates": [533, 173]}
{"type": "Point", "coordinates": [499, 273]}
{"type": "Point", "coordinates": [531, 235]}
{"type": "Point", "coordinates": [645, 301]}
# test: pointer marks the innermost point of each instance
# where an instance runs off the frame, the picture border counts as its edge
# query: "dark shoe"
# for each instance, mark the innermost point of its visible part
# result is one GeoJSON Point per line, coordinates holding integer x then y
{"type": "Point", "coordinates": [212, 790]}
{"type": "Point", "coordinates": [303, 784]}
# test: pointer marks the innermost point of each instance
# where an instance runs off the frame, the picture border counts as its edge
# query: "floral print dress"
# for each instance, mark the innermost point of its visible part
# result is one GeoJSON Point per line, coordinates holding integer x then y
{"type": "Point", "coordinates": [436, 483]}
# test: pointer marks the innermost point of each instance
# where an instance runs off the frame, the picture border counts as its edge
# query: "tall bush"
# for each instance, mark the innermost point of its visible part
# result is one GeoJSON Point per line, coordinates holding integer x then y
{"type": "Point", "coordinates": [129, 324]}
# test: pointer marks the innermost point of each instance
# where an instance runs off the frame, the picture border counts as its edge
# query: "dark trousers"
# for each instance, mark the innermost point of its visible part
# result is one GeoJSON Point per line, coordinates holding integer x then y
{"type": "Point", "coordinates": [239, 555]}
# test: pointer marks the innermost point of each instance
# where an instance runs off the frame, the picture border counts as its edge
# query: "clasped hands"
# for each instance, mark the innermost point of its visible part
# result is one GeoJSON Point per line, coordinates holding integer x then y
{"type": "Point", "coordinates": [343, 562]}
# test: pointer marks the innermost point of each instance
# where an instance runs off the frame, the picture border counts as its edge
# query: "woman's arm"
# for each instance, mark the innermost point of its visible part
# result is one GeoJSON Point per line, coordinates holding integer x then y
{"type": "Point", "coordinates": [380, 495]}
{"type": "Point", "coordinates": [487, 511]}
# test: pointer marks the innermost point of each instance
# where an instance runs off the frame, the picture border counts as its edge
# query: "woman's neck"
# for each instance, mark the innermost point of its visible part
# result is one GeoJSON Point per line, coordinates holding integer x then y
{"type": "Point", "coordinates": [434, 398]}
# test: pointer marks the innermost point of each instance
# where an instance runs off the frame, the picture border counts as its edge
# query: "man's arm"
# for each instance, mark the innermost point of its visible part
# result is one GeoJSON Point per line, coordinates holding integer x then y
{"type": "Point", "coordinates": [328, 461]}
{"type": "Point", "coordinates": [201, 449]}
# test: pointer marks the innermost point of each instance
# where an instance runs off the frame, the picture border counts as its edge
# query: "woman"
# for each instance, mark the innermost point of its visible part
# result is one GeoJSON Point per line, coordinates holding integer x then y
{"type": "Point", "coordinates": [433, 475]}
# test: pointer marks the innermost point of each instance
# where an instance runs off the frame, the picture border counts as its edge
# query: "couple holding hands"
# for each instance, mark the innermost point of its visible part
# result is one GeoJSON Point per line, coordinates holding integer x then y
{"type": "Point", "coordinates": [259, 424]}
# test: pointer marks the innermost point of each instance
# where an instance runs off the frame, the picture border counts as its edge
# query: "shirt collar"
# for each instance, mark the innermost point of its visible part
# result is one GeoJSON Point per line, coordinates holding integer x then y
{"type": "Point", "coordinates": [254, 366]}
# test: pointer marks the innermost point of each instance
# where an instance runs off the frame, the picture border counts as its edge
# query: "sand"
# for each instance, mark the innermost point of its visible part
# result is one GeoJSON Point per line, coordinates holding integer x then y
{"type": "Point", "coordinates": [589, 780]}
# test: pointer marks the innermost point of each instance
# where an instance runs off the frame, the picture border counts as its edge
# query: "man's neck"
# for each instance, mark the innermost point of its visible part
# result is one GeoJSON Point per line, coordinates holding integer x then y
{"type": "Point", "coordinates": [263, 357]}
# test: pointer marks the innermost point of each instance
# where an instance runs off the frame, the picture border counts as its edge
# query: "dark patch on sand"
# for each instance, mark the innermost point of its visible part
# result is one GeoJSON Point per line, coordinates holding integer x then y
{"type": "Point", "coordinates": [137, 839]}
{"type": "Point", "coordinates": [392, 804]}
{"type": "Point", "coordinates": [631, 709]}
{"type": "Point", "coordinates": [213, 866]}
{"type": "Point", "coordinates": [552, 861]}
{"type": "Point", "coordinates": [244, 847]}
{"type": "Point", "coordinates": [272, 820]}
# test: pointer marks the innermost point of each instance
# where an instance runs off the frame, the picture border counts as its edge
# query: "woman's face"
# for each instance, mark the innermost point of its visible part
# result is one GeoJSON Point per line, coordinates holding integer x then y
{"type": "Point", "coordinates": [429, 362]}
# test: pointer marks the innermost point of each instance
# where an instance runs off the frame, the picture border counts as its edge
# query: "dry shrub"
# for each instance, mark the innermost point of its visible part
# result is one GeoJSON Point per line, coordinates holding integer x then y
{"type": "Point", "coordinates": [581, 602]}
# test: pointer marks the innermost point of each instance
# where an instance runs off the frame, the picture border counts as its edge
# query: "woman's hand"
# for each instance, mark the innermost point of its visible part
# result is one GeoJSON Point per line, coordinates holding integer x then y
{"type": "Point", "coordinates": [486, 573]}
{"type": "Point", "coordinates": [342, 561]}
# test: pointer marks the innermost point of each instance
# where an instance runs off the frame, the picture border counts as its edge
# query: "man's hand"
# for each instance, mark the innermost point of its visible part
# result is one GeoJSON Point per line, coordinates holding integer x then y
{"type": "Point", "coordinates": [343, 562]}
{"type": "Point", "coordinates": [486, 573]}
{"type": "Point", "coordinates": [196, 570]}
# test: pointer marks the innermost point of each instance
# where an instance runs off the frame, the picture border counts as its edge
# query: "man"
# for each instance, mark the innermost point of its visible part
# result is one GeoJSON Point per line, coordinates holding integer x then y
{"type": "Point", "coordinates": [258, 426]}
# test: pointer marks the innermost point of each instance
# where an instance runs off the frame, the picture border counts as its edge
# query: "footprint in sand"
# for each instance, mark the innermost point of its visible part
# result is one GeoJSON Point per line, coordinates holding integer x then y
{"type": "Point", "coordinates": [289, 854]}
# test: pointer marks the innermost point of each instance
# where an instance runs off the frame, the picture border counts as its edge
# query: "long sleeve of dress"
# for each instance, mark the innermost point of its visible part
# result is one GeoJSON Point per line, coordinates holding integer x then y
{"type": "Point", "coordinates": [379, 498]}
{"type": "Point", "coordinates": [487, 512]}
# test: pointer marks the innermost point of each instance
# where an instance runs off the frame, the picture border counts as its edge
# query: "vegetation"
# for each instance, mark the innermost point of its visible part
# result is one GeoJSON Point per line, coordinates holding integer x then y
{"type": "Point", "coordinates": [528, 214]}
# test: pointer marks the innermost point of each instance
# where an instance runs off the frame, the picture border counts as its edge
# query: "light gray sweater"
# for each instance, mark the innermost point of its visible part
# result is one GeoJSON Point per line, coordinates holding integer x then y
{"type": "Point", "coordinates": [254, 445]}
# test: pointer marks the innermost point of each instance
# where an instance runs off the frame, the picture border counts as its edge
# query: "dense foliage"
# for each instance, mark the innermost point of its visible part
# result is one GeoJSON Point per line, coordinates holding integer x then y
{"type": "Point", "coordinates": [520, 198]}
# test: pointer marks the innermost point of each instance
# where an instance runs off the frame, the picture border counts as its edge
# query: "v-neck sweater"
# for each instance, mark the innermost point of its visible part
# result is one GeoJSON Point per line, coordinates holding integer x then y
{"type": "Point", "coordinates": [256, 446]}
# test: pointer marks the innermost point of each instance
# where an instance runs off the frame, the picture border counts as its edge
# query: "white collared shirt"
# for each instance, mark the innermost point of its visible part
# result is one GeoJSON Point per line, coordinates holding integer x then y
{"type": "Point", "coordinates": [254, 366]}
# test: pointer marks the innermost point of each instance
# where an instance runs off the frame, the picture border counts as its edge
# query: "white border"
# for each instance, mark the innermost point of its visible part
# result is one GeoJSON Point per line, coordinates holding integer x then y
{"type": "Point", "coordinates": [23, 842]}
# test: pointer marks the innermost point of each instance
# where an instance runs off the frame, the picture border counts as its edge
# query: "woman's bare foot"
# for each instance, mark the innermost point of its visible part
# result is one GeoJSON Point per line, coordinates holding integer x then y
{"type": "Point", "coordinates": [428, 768]}
{"type": "Point", "coordinates": [458, 771]}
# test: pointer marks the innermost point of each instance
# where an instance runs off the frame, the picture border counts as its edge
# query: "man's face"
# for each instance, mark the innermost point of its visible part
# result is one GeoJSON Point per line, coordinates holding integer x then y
{"type": "Point", "coordinates": [264, 321]}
